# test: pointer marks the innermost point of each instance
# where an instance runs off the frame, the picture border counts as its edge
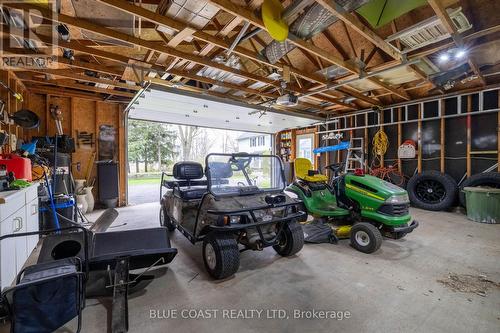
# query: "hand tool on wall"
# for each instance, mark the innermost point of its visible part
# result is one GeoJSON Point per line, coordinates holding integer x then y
{"type": "Point", "coordinates": [56, 114]}
{"type": "Point", "coordinates": [16, 95]}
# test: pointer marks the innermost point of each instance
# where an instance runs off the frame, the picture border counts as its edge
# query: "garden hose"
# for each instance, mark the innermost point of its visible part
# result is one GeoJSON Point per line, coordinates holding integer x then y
{"type": "Point", "coordinates": [380, 143]}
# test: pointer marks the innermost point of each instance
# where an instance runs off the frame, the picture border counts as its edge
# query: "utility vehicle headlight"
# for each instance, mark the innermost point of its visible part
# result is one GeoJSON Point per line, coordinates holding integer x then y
{"type": "Point", "coordinates": [228, 220]}
{"type": "Point", "coordinates": [398, 199]}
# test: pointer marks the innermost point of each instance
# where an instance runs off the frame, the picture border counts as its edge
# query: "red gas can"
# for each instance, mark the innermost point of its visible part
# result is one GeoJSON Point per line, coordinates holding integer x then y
{"type": "Point", "coordinates": [20, 166]}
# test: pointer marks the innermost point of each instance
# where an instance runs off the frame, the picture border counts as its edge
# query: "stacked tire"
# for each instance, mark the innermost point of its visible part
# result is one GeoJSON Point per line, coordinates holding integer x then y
{"type": "Point", "coordinates": [487, 179]}
{"type": "Point", "coordinates": [432, 190]}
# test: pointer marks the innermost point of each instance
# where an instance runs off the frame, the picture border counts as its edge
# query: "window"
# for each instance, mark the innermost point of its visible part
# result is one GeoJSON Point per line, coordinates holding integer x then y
{"type": "Point", "coordinates": [258, 141]}
{"type": "Point", "coordinates": [305, 146]}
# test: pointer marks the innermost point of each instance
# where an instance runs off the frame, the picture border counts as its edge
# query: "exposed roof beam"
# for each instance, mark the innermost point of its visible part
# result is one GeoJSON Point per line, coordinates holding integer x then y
{"type": "Point", "coordinates": [213, 40]}
{"type": "Point", "coordinates": [71, 75]}
{"type": "Point", "coordinates": [307, 46]}
{"type": "Point", "coordinates": [440, 11]}
{"type": "Point", "coordinates": [39, 89]}
{"type": "Point", "coordinates": [354, 23]}
{"type": "Point", "coordinates": [89, 26]}
{"type": "Point", "coordinates": [365, 31]}
{"type": "Point", "coordinates": [125, 61]}
{"type": "Point", "coordinates": [81, 87]}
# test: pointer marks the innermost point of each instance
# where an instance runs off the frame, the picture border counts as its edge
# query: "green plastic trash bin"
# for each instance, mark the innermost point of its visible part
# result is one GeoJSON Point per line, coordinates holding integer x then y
{"type": "Point", "coordinates": [483, 204]}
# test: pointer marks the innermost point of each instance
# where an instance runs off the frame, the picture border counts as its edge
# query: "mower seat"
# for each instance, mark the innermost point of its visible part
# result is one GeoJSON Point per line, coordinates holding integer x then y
{"type": "Point", "coordinates": [304, 170]}
{"type": "Point", "coordinates": [189, 173]}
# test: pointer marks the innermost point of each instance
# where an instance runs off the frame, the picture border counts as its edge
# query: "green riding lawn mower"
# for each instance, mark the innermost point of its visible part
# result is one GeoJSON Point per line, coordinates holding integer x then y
{"type": "Point", "coordinates": [357, 206]}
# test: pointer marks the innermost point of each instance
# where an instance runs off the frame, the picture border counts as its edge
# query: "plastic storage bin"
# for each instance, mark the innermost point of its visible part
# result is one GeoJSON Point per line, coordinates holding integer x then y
{"type": "Point", "coordinates": [483, 204]}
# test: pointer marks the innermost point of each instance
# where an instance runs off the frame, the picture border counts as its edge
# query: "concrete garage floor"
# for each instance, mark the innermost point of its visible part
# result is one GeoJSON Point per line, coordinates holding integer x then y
{"type": "Point", "coordinates": [393, 290]}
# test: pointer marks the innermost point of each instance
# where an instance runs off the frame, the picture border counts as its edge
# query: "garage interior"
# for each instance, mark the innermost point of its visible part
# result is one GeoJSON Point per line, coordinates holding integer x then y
{"type": "Point", "coordinates": [381, 192]}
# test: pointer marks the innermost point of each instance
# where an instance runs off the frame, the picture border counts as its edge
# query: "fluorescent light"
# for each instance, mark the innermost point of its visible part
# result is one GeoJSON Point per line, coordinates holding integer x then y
{"type": "Point", "coordinates": [460, 54]}
{"type": "Point", "coordinates": [444, 57]}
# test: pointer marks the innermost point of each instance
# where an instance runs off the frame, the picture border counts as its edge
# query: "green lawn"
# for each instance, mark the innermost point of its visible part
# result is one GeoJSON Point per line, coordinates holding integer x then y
{"type": "Point", "coordinates": [143, 181]}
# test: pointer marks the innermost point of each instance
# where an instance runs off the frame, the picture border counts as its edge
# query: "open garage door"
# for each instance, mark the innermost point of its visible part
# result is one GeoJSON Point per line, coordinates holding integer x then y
{"type": "Point", "coordinates": [174, 106]}
{"type": "Point", "coordinates": [222, 125]}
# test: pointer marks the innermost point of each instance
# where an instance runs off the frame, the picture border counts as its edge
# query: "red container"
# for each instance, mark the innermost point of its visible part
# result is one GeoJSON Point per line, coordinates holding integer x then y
{"type": "Point", "coordinates": [20, 166]}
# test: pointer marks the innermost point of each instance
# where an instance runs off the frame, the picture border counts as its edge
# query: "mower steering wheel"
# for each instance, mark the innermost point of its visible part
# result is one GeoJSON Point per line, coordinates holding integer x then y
{"type": "Point", "coordinates": [335, 167]}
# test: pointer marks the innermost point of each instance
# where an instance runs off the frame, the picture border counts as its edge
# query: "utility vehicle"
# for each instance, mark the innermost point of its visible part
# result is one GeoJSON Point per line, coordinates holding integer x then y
{"type": "Point", "coordinates": [239, 206]}
{"type": "Point", "coordinates": [360, 206]}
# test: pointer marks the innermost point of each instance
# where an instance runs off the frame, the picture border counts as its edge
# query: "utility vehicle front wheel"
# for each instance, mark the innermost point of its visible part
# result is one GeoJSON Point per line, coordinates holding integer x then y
{"type": "Point", "coordinates": [365, 237]}
{"type": "Point", "coordinates": [165, 220]}
{"type": "Point", "coordinates": [220, 255]}
{"type": "Point", "coordinates": [291, 240]}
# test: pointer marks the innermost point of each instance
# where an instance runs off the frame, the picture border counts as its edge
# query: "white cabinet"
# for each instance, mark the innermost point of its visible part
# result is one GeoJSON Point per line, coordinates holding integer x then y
{"type": "Point", "coordinates": [8, 247]}
{"type": "Point", "coordinates": [31, 225]}
{"type": "Point", "coordinates": [18, 214]}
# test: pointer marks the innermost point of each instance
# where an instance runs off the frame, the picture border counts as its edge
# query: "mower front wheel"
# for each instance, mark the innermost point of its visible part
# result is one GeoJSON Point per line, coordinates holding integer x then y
{"type": "Point", "coordinates": [221, 255]}
{"type": "Point", "coordinates": [365, 237]}
{"type": "Point", "coordinates": [291, 240]}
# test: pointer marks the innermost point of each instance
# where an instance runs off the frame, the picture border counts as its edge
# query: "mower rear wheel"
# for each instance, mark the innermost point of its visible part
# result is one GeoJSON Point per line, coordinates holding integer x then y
{"type": "Point", "coordinates": [365, 237]}
{"type": "Point", "coordinates": [221, 255]}
{"type": "Point", "coordinates": [291, 240]}
{"type": "Point", "coordinates": [165, 220]}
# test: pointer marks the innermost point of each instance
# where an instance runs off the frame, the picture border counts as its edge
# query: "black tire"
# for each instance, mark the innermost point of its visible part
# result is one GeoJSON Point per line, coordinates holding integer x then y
{"type": "Point", "coordinates": [165, 220]}
{"type": "Point", "coordinates": [292, 240]}
{"type": "Point", "coordinates": [365, 237]}
{"type": "Point", "coordinates": [491, 179]}
{"type": "Point", "coordinates": [220, 255]}
{"type": "Point", "coordinates": [432, 190]}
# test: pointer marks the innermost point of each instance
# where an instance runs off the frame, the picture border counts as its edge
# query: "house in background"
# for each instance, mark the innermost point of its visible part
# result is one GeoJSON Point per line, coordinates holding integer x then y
{"type": "Point", "coordinates": [254, 143]}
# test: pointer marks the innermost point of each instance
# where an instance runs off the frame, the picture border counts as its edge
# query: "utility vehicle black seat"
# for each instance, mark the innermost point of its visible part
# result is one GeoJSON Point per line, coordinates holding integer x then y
{"type": "Point", "coordinates": [189, 173]}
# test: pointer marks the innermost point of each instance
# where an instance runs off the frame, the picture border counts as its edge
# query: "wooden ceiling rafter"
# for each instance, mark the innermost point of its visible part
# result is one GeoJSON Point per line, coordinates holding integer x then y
{"type": "Point", "coordinates": [85, 78]}
{"type": "Point", "coordinates": [255, 66]}
{"type": "Point", "coordinates": [81, 87]}
{"type": "Point", "coordinates": [210, 39]}
{"type": "Point", "coordinates": [38, 89]}
{"type": "Point", "coordinates": [95, 28]}
{"type": "Point", "coordinates": [364, 30]}
{"type": "Point", "coordinates": [250, 16]}
{"type": "Point", "coordinates": [120, 36]}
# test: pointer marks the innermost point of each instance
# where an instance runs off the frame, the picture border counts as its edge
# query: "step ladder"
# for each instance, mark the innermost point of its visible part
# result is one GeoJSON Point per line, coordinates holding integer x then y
{"type": "Point", "coordinates": [355, 155]}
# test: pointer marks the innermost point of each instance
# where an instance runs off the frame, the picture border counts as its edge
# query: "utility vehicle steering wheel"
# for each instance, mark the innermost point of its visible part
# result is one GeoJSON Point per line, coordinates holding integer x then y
{"type": "Point", "coordinates": [239, 163]}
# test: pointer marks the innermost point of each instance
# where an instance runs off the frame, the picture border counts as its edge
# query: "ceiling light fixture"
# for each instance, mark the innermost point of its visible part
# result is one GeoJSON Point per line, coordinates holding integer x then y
{"type": "Point", "coordinates": [444, 57]}
{"type": "Point", "coordinates": [460, 54]}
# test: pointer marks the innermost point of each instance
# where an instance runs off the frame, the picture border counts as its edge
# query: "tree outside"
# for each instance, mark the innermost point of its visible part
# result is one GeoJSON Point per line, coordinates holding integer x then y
{"type": "Point", "coordinates": [155, 147]}
{"type": "Point", "coordinates": [151, 146]}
